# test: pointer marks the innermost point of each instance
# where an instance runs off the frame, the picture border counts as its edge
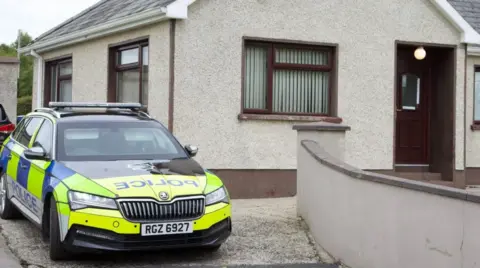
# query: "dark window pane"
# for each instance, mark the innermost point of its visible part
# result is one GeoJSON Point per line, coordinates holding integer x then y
{"type": "Point", "coordinates": [128, 86]}
{"type": "Point", "coordinates": [111, 141]}
{"type": "Point", "coordinates": [53, 89]}
{"type": "Point", "coordinates": [301, 56]}
{"type": "Point", "coordinates": [44, 137]}
{"type": "Point", "coordinates": [476, 114]}
{"type": "Point", "coordinates": [128, 56]}
{"type": "Point", "coordinates": [145, 55]}
{"type": "Point", "coordinates": [296, 91]}
{"type": "Point", "coordinates": [26, 134]}
{"type": "Point", "coordinates": [65, 90]}
{"type": "Point", "coordinates": [255, 83]}
{"type": "Point", "coordinates": [410, 91]}
{"type": "Point", "coordinates": [19, 128]}
{"type": "Point", "coordinates": [65, 68]}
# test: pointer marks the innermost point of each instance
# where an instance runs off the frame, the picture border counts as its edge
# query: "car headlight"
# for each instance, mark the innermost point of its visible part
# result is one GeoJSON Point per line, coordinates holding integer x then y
{"type": "Point", "coordinates": [217, 196]}
{"type": "Point", "coordinates": [83, 200]}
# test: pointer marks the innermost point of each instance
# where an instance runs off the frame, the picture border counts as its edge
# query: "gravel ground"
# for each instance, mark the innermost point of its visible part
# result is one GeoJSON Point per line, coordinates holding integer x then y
{"type": "Point", "coordinates": [265, 232]}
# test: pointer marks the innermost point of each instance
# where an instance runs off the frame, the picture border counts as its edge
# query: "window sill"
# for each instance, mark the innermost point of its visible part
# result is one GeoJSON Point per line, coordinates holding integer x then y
{"type": "Point", "coordinates": [475, 126]}
{"type": "Point", "coordinates": [279, 117]}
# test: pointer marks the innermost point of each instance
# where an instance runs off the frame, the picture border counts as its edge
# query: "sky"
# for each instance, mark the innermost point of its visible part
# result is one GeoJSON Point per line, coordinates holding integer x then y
{"type": "Point", "coordinates": [36, 16]}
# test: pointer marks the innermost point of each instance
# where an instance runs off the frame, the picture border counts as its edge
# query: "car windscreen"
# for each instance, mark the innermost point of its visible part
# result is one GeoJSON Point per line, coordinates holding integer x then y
{"type": "Point", "coordinates": [111, 141]}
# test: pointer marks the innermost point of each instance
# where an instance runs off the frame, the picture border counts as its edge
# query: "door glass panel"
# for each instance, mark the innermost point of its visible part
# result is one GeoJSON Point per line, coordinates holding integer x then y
{"type": "Point", "coordinates": [410, 92]}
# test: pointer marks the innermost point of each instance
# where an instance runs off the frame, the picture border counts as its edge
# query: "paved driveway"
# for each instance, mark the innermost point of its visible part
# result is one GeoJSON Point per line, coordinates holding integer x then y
{"type": "Point", "coordinates": [265, 231]}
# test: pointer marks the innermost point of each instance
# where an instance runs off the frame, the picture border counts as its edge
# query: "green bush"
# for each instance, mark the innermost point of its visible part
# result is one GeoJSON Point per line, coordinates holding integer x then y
{"type": "Point", "coordinates": [24, 105]}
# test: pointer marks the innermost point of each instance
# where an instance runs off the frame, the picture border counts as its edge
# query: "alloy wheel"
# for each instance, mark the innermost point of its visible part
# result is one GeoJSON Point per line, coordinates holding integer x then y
{"type": "Point", "coordinates": [3, 193]}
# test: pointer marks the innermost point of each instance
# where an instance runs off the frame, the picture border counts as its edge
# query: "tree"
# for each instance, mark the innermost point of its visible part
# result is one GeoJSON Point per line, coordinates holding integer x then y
{"type": "Point", "coordinates": [25, 81]}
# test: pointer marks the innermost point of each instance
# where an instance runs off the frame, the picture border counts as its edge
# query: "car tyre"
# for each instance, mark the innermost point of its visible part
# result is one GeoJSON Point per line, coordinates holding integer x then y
{"type": "Point", "coordinates": [57, 248]}
{"type": "Point", "coordinates": [7, 210]}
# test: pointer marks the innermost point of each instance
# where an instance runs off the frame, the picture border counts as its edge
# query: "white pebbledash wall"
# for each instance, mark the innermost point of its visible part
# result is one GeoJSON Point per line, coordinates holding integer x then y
{"type": "Point", "coordinates": [208, 75]}
{"type": "Point", "coordinates": [208, 56]}
{"type": "Point", "coordinates": [90, 67]}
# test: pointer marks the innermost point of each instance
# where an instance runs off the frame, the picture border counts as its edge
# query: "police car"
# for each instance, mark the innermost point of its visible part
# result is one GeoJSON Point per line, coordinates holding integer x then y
{"type": "Point", "coordinates": [106, 176]}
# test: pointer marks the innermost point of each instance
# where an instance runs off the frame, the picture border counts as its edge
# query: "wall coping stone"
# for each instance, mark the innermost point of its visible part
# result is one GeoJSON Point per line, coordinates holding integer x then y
{"type": "Point", "coordinates": [315, 150]}
{"type": "Point", "coordinates": [321, 126]}
{"type": "Point", "coordinates": [9, 60]}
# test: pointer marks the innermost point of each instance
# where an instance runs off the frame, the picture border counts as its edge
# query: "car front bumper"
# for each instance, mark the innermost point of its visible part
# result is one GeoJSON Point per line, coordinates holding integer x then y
{"type": "Point", "coordinates": [90, 230]}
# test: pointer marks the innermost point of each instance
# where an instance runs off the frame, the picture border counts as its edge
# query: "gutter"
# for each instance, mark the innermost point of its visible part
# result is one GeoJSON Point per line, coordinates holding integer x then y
{"type": "Point", "coordinates": [175, 10]}
{"type": "Point", "coordinates": [40, 64]}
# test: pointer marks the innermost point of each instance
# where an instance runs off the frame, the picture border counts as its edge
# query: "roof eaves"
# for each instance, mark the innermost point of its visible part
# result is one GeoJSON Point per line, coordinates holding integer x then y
{"type": "Point", "coordinates": [469, 35]}
{"type": "Point", "coordinates": [175, 10]}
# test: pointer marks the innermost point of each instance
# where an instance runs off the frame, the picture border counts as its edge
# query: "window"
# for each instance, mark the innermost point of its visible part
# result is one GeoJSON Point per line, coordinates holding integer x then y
{"type": "Point", "coordinates": [15, 134]}
{"type": "Point", "coordinates": [58, 80]}
{"type": "Point", "coordinates": [44, 137]}
{"type": "Point", "coordinates": [112, 141]}
{"type": "Point", "coordinates": [476, 113]}
{"type": "Point", "coordinates": [128, 80]}
{"type": "Point", "coordinates": [287, 79]}
{"type": "Point", "coordinates": [25, 135]}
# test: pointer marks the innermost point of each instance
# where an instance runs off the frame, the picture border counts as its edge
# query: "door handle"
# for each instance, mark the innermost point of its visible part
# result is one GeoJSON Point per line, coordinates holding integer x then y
{"type": "Point", "coordinates": [399, 110]}
{"type": "Point", "coordinates": [22, 166]}
{"type": "Point", "coordinates": [9, 157]}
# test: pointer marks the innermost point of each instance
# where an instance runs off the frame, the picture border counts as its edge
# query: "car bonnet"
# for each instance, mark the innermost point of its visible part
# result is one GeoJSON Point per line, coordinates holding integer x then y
{"type": "Point", "coordinates": [171, 178]}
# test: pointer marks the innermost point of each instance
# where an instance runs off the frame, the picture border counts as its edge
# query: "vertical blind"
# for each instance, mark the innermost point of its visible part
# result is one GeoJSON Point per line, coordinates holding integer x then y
{"type": "Point", "coordinates": [476, 113]}
{"type": "Point", "coordinates": [293, 90]}
{"type": "Point", "coordinates": [255, 87]}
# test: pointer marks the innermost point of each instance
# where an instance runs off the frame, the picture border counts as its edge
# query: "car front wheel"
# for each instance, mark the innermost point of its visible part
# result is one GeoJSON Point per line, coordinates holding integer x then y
{"type": "Point", "coordinates": [57, 248]}
{"type": "Point", "coordinates": [7, 209]}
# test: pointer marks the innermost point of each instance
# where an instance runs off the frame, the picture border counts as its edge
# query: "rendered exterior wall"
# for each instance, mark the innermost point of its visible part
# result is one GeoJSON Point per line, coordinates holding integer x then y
{"type": "Point", "coordinates": [90, 67]}
{"type": "Point", "coordinates": [8, 89]}
{"type": "Point", "coordinates": [208, 75]}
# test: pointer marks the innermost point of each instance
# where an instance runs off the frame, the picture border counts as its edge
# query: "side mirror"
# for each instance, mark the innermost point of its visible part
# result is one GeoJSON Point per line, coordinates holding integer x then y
{"type": "Point", "coordinates": [191, 150]}
{"type": "Point", "coordinates": [35, 153]}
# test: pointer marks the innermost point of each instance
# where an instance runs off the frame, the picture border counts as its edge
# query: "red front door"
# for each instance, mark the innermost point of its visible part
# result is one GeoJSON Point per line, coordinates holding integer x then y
{"type": "Point", "coordinates": [412, 109]}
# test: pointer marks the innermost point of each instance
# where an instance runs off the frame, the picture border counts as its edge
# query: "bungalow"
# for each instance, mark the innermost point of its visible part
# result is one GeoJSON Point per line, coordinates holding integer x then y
{"type": "Point", "coordinates": [233, 77]}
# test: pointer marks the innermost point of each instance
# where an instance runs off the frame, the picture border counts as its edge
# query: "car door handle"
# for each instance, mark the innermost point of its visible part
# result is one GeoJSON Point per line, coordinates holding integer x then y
{"type": "Point", "coordinates": [22, 166]}
{"type": "Point", "coordinates": [9, 157]}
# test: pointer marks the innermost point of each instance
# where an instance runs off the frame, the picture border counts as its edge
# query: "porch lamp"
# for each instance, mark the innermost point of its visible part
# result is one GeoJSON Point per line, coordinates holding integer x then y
{"type": "Point", "coordinates": [420, 53]}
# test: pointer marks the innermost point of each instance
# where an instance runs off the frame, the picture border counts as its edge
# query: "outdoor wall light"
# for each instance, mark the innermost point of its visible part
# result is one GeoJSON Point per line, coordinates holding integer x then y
{"type": "Point", "coordinates": [420, 53]}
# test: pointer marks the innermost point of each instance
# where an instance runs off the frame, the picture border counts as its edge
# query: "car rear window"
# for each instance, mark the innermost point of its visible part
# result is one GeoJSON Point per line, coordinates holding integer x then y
{"type": "Point", "coordinates": [110, 141]}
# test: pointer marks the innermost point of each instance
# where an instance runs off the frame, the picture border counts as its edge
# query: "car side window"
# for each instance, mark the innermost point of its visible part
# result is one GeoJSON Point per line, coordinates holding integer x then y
{"type": "Point", "coordinates": [25, 135]}
{"type": "Point", "coordinates": [44, 137]}
{"type": "Point", "coordinates": [19, 127]}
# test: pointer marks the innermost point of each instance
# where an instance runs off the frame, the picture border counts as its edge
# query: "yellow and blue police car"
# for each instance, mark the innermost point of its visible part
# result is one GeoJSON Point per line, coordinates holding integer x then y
{"type": "Point", "coordinates": [108, 177]}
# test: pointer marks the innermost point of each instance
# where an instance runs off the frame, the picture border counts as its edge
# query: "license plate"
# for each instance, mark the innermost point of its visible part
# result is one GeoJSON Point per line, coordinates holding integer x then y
{"type": "Point", "coordinates": [167, 228]}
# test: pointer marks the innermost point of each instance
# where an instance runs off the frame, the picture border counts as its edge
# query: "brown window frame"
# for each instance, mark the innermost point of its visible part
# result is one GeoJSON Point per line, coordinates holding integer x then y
{"type": "Point", "coordinates": [271, 45]}
{"type": "Point", "coordinates": [47, 96]}
{"type": "Point", "coordinates": [476, 122]}
{"type": "Point", "coordinates": [115, 68]}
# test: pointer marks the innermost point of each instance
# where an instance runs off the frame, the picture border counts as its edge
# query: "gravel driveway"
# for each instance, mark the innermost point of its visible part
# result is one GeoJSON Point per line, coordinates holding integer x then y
{"type": "Point", "coordinates": [265, 231]}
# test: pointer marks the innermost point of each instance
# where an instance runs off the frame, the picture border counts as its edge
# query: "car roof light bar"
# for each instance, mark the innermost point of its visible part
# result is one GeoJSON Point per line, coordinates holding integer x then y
{"type": "Point", "coordinates": [58, 105]}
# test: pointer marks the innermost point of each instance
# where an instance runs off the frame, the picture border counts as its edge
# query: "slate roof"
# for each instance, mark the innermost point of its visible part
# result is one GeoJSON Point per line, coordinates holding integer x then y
{"type": "Point", "coordinates": [100, 13]}
{"type": "Point", "coordinates": [469, 10]}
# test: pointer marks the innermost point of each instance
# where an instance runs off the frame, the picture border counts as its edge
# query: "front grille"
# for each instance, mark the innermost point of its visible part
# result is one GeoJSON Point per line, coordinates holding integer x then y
{"type": "Point", "coordinates": [149, 210]}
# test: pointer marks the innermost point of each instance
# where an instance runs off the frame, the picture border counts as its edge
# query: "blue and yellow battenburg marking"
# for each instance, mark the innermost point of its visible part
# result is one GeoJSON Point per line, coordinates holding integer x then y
{"type": "Point", "coordinates": [37, 178]}
{"type": "Point", "coordinates": [122, 185]}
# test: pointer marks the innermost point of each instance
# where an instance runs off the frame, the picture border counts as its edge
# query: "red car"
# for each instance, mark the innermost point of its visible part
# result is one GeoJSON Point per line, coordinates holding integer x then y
{"type": "Point", "coordinates": [6, 126]}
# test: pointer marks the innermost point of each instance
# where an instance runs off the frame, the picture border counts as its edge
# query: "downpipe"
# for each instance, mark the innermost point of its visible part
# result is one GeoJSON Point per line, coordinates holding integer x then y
{"type": "Point", "coordinates": [40, 62]}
